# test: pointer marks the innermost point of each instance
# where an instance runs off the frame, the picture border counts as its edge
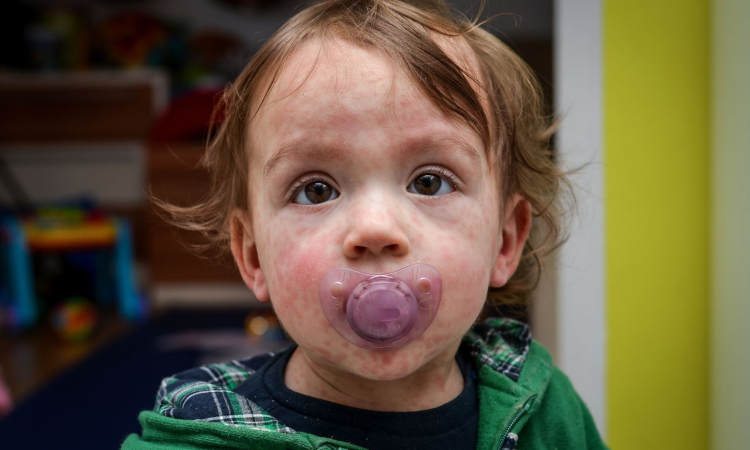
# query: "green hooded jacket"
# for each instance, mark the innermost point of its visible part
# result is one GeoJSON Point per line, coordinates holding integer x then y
{"type": "Point", "coordinates": [525, 403]}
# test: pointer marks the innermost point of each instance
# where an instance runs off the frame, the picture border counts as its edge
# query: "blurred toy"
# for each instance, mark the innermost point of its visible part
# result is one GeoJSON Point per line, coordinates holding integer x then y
{"type": "Point", "coordinates": [61, 252]}
{"type": "Point", "coordinates": [75, 319]}
{"type": "Point", "coordinates": [265, 328]}
{"type": "Point", "coordinates": [60, 39]}
{"type": "Point", "coordinates": [64, 228]}
{"type": "Point", "coordinates": [135, 39]}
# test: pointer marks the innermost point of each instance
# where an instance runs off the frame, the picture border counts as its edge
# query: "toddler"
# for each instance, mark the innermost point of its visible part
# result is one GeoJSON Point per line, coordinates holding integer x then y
{"type": "Point", "coordinates": [381, 176]}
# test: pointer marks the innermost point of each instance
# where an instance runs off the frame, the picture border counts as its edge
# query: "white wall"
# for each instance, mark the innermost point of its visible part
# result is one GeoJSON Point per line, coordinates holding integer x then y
{"type": "Point", "coordinates": [580, 276]}
{"type": "Point", "coordinates": [730, 283]}
{"type": "Point", "coordinates": [110, 172]}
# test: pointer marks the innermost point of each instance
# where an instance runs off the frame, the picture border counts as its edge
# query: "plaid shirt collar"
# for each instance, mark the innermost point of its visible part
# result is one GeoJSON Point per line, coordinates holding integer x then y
{"type": "Point", "coordinates": [207, 393]}
{"type": "Point", "coordinates": [500, 343]}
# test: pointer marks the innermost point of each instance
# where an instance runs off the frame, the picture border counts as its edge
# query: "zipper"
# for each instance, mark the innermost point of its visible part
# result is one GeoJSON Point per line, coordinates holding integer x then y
{"type": "Point", "coordinates": [515, 419]}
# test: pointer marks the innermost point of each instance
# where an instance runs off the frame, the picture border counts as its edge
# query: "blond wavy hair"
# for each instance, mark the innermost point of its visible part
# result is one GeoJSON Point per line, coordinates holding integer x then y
{"type": "Point", "coordinates": [500, 99]}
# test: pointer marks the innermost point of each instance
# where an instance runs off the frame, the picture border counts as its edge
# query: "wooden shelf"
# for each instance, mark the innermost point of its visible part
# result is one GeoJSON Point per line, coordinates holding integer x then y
{"type": "Point", "coordinates": [116, 105]}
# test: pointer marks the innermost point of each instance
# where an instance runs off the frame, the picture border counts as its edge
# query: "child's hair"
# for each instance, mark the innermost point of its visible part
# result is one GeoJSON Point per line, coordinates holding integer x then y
{"type": "Point", "coordinates": [507, 113]}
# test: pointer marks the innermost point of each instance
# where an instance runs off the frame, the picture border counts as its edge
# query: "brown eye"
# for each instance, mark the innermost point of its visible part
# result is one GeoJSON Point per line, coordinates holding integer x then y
{"type": "Point", "coordinates": [427, 184]}
{"type": "Point", "coordinates": [432, 184]}
{"type": "Point", "coordinates": [315, 193]}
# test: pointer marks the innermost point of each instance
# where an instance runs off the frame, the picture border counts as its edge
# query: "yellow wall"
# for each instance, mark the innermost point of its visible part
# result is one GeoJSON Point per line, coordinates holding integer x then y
{"type": "Point", "coordinates": [656, 133]}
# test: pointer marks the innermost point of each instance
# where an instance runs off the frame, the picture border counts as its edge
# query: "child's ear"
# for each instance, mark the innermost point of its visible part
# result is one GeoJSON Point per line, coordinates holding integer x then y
{"type": "Point", "coordinates": [246, 255]}
{"type": "Point", "coordinates": [516, 226]}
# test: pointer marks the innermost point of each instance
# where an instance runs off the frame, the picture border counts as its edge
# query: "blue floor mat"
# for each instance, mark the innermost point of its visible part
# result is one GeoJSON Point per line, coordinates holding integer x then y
{"type": "Point", "coordinates": [95, 404]}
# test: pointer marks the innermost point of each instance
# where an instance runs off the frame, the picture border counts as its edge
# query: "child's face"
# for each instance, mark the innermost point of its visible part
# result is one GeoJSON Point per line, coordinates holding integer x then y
{"type": "Point", "coordinates": [354, 167]}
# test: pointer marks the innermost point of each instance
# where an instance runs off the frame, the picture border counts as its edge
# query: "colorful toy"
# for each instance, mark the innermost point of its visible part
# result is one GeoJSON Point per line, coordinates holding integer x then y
{"type": "Point", "coordinates": [62, 252]}
{"type": "Point", "coordinates": [74, 320]}
{"type": "Point", "coordinates": [135, 39]}
{"type": "Point", "coordinates": [264, 328]}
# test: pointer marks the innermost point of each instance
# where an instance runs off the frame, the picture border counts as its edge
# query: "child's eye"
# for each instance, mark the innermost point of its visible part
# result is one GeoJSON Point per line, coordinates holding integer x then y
{"type": "Point", "coordinates": [431, 184]}
{"type": "Point", "coordinates": [315, 193]}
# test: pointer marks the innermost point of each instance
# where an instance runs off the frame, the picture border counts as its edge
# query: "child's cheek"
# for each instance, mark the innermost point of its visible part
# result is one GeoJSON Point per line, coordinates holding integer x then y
{"type": "Point", "coordinates": [466, 252]}
{"type": "Point", "coordinates": [300, 258]}
{"type": "Point", "coordinates": [464, 286]}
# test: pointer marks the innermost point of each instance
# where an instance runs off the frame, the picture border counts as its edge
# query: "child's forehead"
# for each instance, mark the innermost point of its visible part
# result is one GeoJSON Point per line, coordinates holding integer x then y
{"type": "Point", "coordinates": [330, 63]}
{"type": "Point", "coordinates": [336, 81]}
{"type": "Point", "coordinates": [336, 70]}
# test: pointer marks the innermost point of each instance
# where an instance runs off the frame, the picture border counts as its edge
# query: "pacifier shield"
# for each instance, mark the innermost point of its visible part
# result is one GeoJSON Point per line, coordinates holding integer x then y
{"type": "Point", "coordinates": [383, 311]}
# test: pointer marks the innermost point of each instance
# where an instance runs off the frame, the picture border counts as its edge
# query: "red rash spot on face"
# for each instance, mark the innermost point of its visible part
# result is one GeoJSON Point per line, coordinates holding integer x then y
{"type": "Point", "coordinates": [301, 232]}
{"type": "Point", "coordinates": [437, 339]}
{"type": "Point", "coordinates": [322, 352]}
{"type": "Point", "coordinates": [404, 366]}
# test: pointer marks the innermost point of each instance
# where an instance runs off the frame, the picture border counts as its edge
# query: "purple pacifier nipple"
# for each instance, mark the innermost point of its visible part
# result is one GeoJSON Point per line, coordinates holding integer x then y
{"type": "Point", "coordinates": [381, 309]}
{"type": "Point", "coordinates": [381, 312]}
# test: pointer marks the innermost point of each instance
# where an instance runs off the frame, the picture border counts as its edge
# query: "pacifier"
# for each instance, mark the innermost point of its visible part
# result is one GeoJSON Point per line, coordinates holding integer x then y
{"type": "Point", "coordinates": [381, 312]}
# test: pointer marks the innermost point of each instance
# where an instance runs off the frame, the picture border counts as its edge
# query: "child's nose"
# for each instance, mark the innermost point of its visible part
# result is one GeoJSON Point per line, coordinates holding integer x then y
{"type": "Point", "coordinates": [375, 230]}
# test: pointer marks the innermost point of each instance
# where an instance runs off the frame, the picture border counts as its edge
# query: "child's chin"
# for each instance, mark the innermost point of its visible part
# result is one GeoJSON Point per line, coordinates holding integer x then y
{"type": "Point", "coordinates": [385, 365]}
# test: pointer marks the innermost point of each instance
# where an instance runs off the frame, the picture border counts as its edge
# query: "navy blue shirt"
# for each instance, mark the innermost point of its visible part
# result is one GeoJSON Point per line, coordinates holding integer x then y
{"type": "Point", "coordinates": [452, 425]}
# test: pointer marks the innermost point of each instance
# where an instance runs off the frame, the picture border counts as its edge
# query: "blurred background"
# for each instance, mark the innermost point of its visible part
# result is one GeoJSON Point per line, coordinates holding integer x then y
{"type": "Point", "coordinates": [103, 103]}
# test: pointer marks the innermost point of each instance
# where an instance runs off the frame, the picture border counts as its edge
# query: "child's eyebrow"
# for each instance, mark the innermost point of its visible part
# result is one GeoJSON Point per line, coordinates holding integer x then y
{"type": "Point", "coordinates": [443, 141]}
{"type": "Point", "coordinates": [302, 147]}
